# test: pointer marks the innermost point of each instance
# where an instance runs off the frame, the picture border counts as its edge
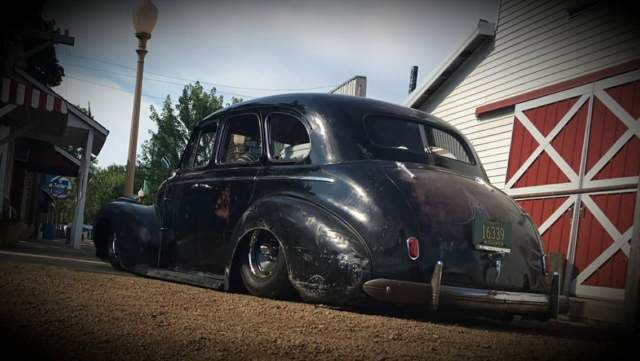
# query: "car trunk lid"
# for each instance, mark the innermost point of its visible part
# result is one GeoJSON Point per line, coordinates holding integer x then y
{"type": "Point", "coordinates": [483, 238]}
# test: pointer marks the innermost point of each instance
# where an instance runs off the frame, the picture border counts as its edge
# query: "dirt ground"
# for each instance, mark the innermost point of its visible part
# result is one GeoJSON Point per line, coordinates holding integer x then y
{"type": "Point", "coordinates": [56, 313]}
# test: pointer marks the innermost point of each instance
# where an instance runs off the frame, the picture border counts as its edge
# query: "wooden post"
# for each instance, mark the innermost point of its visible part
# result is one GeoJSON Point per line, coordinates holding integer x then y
{"type": "Point", "coordinates": [632, 292]}
{"type": "Point", "coordinates": [83, 177]}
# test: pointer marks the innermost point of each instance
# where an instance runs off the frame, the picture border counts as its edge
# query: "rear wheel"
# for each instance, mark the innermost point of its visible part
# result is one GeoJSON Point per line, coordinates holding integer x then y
{"type": "Point", "coordinates": [114, 254]}
{"type": "Point", "coordinates": [264, 267]}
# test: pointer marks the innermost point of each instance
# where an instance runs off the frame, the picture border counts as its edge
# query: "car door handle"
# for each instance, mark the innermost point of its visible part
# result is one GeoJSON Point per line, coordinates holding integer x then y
{"type": "Point", "coordinates": [200, 186]}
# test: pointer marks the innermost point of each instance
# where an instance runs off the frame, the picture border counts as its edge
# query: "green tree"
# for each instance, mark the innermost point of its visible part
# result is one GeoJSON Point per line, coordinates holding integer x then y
{"type": "Point", "coordinates": [105, 185]}
{"type": "Point", "coordinates": [43, 64]}
{"type": "Point", "coordinates": [161, 153]}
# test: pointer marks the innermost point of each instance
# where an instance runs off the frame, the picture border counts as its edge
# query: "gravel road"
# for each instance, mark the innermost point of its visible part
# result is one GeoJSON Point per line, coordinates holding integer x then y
{"type": "Point", "coordinates": [57, 313]}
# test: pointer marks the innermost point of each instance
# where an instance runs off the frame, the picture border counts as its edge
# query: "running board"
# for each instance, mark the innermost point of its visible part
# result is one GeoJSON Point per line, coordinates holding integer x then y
{"type": "Point", "coordinates": [200, 279]}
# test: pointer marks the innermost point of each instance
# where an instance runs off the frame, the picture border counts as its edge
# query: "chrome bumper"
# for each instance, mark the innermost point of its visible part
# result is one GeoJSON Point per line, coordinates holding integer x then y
{"type": "Point", "coordinates": [435, 295]}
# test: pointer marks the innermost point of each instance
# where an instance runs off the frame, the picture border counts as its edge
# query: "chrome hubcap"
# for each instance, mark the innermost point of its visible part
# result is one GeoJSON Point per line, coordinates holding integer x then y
{"type": "Point", "coordinates": [263, 254]}
{"type": "Point", "coordinates": [114, 246]}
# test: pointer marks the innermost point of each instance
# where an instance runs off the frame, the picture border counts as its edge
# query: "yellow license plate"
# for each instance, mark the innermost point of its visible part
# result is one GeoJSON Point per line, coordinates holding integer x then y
{"type": "Point", "coordinates": [490, 235]}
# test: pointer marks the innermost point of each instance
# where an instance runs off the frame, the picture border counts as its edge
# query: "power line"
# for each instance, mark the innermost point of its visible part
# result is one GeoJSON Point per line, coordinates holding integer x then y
{"type": "Point", "coordinates": [108, 86]}
{"type": "Point", "coordinates": [180, 84]}
{"type": "Point", "coordinates": [125, 91]}
{"type": "Point", "coordinates": [202, 81]}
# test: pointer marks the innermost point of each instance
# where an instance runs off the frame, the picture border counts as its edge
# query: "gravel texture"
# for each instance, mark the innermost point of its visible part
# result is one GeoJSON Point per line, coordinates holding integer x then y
{"type": "Point", "coordinates": [56, 313]}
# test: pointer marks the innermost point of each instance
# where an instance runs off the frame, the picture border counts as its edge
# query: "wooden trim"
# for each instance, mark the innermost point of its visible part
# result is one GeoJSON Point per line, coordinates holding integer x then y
{"type": "Point", "coordinates": [632, 289]}
{"type": "Point", "coordinates": [558, 87]}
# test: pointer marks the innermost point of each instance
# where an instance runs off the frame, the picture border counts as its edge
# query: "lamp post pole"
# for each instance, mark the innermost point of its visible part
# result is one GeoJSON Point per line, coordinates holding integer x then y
{"type": "Point", "coordinates": [144, 20]}
{"type": "Point", "coordinates": [135, 117]}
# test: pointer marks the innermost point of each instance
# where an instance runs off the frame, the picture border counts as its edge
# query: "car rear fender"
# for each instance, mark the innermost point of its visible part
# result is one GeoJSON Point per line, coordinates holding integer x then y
{"type": "Point", "coordinates": [327, 260]}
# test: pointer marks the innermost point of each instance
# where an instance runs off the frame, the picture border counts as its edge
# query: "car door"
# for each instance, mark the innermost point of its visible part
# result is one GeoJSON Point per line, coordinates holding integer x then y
{"type": "Point", "coordinates": [238, 162]}
{"type": "Point", "coordinates": [215, 198]}
{"type": "Point", "coordinates": [185, 215]}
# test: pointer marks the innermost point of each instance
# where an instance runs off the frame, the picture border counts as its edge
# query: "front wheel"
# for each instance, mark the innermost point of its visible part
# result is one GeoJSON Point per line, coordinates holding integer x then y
{"type": "Point", "coordinates": [264, 267]}
{"type": "Point", "coordinates": [114, 252]}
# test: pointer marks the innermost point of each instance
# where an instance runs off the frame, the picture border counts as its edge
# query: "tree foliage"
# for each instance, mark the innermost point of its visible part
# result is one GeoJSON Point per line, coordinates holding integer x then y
{"type": "Point", "coordinates": [161, 153]}
{"type": "Point", "coordinates": [42, 65]}
{"type": "Point", "coordinates": [104, 185]}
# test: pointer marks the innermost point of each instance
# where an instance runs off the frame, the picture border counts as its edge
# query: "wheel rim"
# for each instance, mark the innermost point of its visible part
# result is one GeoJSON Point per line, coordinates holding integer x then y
{"type": "Point", "coordinates": [114, 247]}
{"type": "Point", "coordinates": [264, 251]}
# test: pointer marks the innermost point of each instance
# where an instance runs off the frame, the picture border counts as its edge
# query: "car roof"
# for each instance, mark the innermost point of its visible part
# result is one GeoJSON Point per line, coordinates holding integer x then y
{"type": "Point", "coordinates": [326, 104]}
{"type": "Point", "coordinates": [335, 121]}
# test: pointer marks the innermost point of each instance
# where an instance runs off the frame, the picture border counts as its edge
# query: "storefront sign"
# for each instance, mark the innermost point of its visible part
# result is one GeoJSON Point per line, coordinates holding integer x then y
{"type": "Point", "coordinates": [59, 187]}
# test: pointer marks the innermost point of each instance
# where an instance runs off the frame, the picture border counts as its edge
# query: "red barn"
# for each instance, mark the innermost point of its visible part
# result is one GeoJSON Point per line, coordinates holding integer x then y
{"type": "Point", "coordinates": [550, 98]}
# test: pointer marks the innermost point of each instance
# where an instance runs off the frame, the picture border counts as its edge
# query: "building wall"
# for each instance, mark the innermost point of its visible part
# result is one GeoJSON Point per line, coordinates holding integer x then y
{"type": "Point", "coordinates": [537, 43]}
{"type": "Point", "coordinates": [356, 86]}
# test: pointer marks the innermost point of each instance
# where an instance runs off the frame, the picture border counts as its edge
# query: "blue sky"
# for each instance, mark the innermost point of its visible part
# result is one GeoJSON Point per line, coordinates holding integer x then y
{"type": "Point", "coordinates": [250, 49]}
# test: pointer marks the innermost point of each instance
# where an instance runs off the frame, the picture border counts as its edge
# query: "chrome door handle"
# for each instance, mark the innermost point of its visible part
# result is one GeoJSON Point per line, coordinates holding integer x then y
{"type": "Point", "coordinates": [200, 186]}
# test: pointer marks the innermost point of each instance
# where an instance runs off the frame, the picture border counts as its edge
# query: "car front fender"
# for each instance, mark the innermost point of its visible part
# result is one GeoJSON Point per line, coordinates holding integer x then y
{"type": "Point", "coordinates": [137, 227]}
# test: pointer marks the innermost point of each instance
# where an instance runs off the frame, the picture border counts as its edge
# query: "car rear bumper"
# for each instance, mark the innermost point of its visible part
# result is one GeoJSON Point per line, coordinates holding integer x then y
{"type": "Point", "coordinates": [436, 295]}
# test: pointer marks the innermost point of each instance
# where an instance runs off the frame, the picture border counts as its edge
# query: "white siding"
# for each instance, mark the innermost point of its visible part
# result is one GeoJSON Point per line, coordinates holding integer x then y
{"type": "Point", "coordinates": [356, 86]}
{"type": "Point", "coordinates": [536, 44]}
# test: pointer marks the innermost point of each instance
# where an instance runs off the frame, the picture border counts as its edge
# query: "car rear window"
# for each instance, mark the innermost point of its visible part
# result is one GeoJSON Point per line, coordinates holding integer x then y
{"type": "Point", "coordinates": [446, 145]}
{"type": "Point", "coordinates": [405, 135]}
{"type": "Point", "coordinates": [396, 134]}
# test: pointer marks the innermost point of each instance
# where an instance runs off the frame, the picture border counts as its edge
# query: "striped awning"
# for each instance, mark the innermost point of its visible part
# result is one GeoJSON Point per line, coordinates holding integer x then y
{"type": "Point", "coordinates": [18, 93]}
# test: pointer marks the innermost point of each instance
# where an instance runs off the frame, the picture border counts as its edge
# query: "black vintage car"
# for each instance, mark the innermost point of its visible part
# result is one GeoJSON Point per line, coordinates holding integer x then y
{"type": "Point", "coordinates": [339, 200]}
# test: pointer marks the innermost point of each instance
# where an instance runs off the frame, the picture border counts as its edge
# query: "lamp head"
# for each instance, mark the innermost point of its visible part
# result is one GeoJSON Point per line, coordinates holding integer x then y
{"type": "Point", "coordinates": [145, 16]}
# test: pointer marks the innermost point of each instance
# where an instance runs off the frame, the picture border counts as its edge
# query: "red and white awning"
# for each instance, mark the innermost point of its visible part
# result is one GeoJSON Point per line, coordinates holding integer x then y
{"type": "Point", "coordinates": [13, 92]}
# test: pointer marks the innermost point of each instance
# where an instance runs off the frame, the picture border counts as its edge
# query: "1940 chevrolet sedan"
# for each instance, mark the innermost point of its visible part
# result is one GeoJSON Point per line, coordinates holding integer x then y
{"type": "Point", "coordinates": [339, 200]}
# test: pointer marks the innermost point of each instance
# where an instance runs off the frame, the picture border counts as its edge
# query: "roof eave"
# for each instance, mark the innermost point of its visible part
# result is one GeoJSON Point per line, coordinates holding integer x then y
{"type": "Point", "coordinates": [70, 107]}
{"type": "Point", "coordinates": [483, 31]}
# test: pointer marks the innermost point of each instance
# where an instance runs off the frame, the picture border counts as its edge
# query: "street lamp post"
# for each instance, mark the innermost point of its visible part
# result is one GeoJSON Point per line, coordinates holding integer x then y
{"type": "Point", "coordinates": [144, 20]}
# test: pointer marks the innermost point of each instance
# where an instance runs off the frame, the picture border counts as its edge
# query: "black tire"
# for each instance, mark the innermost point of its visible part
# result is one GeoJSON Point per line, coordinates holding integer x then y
{"type": "Point", "coordinates": [114, 255]}
{"type": "Point", "coordinates": [504, 319]}
{"type": "Point", "coordinates": [265, 276]}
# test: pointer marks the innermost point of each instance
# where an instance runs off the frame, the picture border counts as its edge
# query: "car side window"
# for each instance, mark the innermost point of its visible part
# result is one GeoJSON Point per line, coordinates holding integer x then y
{"type": "Point", "coordinates": [205, 148]}
{"type": "Point", "coordinates": [288, 138]}
{"type": "Point", "coordinates": [242, 142]}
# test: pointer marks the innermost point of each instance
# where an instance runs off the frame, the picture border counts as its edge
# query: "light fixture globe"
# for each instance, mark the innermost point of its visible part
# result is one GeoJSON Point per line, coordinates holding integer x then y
{"type": "Point", "coordinates": [145, 16]}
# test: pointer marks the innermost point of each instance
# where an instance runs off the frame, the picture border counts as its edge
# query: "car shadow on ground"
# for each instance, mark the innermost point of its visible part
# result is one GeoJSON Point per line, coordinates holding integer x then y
{"type": "Point", "coordinates": [555, 327]}
{"type": "Point", "coordinates": [57, 253]}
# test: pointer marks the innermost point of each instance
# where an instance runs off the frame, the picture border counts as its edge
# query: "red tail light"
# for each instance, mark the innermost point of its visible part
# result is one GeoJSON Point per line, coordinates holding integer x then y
{"type": "Point", "coordinates": [413, 247]}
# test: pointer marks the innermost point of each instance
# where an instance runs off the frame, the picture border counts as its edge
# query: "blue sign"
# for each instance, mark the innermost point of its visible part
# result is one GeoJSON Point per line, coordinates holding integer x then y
{"type": "Point", "coordinates": [59, 187]}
